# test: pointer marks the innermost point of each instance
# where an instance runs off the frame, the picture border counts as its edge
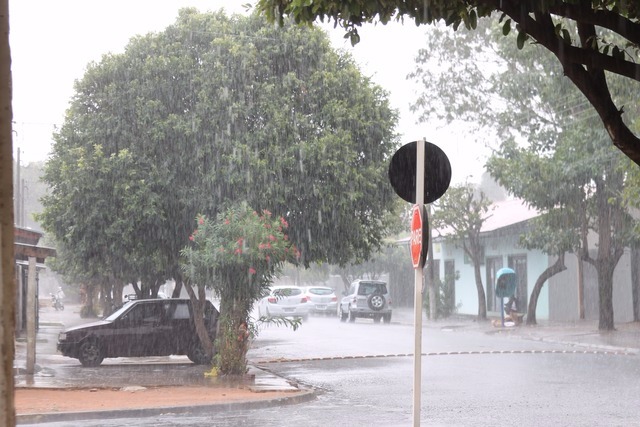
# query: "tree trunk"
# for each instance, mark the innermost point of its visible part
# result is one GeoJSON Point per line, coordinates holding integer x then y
{"type": "Point", "coordinates": [118, 287]}
{"type": "Point", "coordinates": [233, 337]}
{"type": "Point", "coordinates": [197, 303]}
{"type": "Point", "coordinates": [177, 289]}
{"type": "Point", "coordinates": [482, 299]}
{"type": "Point", "coordinates": [8, 292]}
{"type": "Point", "coordinates": [609, 253]}
{"type": "Point", "coordinates": [137, 290]}
{"type": "Point", "coordinates": [635, 282]}
{"type": "Point", "coordinates": [556, 268]}
{"type": "Point", "coordinates": [605, 292]}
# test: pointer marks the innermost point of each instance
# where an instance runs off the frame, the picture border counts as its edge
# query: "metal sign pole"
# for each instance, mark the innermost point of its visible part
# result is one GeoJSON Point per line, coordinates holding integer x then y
{"type": "Point", "coordinates": [419, 276]}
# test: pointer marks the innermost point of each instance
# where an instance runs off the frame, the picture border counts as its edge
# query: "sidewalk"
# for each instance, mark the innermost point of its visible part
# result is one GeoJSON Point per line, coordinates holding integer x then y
{"type": "Point", "coordinates": [583, 334]}
{"type": "Point", "coordinates": [60, 390]}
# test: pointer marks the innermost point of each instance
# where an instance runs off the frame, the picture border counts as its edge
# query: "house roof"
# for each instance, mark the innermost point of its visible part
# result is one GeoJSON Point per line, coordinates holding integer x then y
{"type": "Point", "coordinates": [499, 216]}
{"type": "Point", "coordinates": [506, 213]}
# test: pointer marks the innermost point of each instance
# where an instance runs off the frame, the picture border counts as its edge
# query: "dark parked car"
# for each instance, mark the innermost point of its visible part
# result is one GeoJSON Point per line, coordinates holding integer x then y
{"type": "Point", "coordinates": [152, 327]}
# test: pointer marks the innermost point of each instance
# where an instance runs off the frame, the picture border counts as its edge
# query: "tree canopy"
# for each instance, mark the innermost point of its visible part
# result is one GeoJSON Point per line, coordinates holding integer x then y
{"type": "Point", "coordinates": [216, 109]}
{"type": "Point", "coordinates": [590, 39]}
{"type": "Point", "coordinates": [544, 133]}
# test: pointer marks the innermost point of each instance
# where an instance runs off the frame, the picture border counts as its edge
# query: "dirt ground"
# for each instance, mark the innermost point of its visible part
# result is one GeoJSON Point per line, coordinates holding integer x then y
{"type": "Point", "coordinates": [30, 401]}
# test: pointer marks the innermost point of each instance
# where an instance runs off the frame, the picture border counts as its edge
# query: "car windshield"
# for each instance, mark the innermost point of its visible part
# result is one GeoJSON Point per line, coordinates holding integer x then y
{"type": "Point", "coordinates": [113, 316]}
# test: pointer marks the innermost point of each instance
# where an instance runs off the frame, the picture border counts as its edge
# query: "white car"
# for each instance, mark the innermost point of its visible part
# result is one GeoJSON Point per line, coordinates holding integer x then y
{"type": "Point", "coordinates": [284, 301]}
{"type": "Point", "coordinates": [322, 299]}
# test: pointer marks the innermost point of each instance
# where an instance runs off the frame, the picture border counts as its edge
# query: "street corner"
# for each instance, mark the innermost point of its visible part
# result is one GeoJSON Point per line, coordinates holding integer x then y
{"type": "Point", "coordinates": [264, 381]}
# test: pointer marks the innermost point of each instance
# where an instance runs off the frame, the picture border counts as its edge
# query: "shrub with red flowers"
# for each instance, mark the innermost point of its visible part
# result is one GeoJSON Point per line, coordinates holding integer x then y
{"type": "Point", "coordinates": [238, 255]}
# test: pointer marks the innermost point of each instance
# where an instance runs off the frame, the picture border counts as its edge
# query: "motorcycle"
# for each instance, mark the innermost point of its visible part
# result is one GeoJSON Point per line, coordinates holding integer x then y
{"type": "Point", "coordinates": [511, 312]}
{"type": "Point", "coordinates": [57, 303]}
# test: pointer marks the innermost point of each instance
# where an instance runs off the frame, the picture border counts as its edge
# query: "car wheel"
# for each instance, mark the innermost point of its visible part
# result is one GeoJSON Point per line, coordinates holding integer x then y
{"type": "Point", "coordinates": [352, 316]}
{"type": "Point", "coordinates": [90, 354]}
{"type": "Point", "coordinates": [376, 302]}
{"type": "Point", "coordinates": [342, 315]}
{"type": "Point", "coordinates": [387, 318]}
{"type": "Point", "coordinates": [198, 356]}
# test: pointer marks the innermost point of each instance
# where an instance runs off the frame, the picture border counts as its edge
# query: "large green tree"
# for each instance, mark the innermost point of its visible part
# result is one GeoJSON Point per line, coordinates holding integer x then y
{"type": "Point", "coordinates": [585, 56]}
{"type": "Point", "coordinates": [550, 155]}
{"type": "Point", "coordinates": [216, 109]}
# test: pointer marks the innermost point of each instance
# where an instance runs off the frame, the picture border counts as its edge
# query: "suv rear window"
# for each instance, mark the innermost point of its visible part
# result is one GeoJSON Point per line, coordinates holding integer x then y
{"type": "Point", "coordinates": [370, 288]}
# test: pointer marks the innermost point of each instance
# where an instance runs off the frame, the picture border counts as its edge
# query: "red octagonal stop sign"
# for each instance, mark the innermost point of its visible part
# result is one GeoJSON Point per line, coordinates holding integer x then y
{"type": "Point", "coordinates": [419, 233]}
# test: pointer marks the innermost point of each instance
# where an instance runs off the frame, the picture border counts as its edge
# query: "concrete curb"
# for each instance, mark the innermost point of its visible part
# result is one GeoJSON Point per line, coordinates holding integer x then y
{"type": "Point", "coordinates": [298, 397]}
{"type": "Point", "coordinates": [603, 347]}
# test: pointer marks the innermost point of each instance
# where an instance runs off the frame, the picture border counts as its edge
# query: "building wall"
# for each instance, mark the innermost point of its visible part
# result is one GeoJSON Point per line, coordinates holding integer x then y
{"type": "Point", "coordinates": [466, 294]}
{"type": "Point", "coordinates": [563, 290]}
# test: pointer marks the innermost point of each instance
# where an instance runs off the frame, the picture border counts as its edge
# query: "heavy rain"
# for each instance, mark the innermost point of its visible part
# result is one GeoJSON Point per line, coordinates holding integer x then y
{"type": "Point", "coordinates": [207, 226]}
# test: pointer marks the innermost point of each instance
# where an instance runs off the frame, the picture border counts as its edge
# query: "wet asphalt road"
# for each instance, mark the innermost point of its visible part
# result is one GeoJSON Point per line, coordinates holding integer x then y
{"type": "Point", "coordinates": [547, 387]}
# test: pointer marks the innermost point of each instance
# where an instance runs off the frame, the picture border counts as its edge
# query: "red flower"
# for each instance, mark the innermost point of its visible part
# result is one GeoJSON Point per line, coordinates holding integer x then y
{"type": "Point", "coordinates": [272, 237]}
{"type": "Point", "coordinates": [268, 258]}
{"type": "Point", "coordinates": [284, 222]}
{"type": "Point", "coordinates": [237, 251]}
{"type": "Point", "coordinates": [227, 222]}
{"type": "Point", "coordinates": [252, 270]}
{"type": "Point", "coordinates": [201, 220]}
{"type": "Point", "coordinates": [192, 238]}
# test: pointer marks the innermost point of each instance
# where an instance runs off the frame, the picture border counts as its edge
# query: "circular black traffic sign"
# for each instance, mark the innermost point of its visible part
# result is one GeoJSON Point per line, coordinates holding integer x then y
{"type": "Point", "coordinates": [437, 172]}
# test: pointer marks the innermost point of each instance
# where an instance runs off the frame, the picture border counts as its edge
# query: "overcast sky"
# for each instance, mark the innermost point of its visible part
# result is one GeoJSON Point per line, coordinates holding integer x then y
{"type": "Point", "coordinates": [53, 41]}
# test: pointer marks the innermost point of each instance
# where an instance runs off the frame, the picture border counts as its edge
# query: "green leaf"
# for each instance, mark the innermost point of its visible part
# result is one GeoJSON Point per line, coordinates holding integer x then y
{"type": "Point", "coordinates": [506, 28]}
{"type": "Point", "coordinates": [473, 19]}
{"type": "Point", "coordinates": [522, 37]}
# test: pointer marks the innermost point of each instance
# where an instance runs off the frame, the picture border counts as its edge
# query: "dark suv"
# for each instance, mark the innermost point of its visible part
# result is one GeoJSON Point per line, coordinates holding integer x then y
{"type": "Point", "coordinates": [366, 298]}
{"type": "Point", "coordinates": [152, 327]}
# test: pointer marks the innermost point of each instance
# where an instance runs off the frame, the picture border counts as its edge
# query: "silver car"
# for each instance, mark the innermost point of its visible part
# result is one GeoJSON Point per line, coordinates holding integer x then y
{"type": "Point", "coordinates": [322, 299]}
{"type": "Point", "coordinates": [284, 301]}
{"type": "Point", "coordinates": [366, 298]}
